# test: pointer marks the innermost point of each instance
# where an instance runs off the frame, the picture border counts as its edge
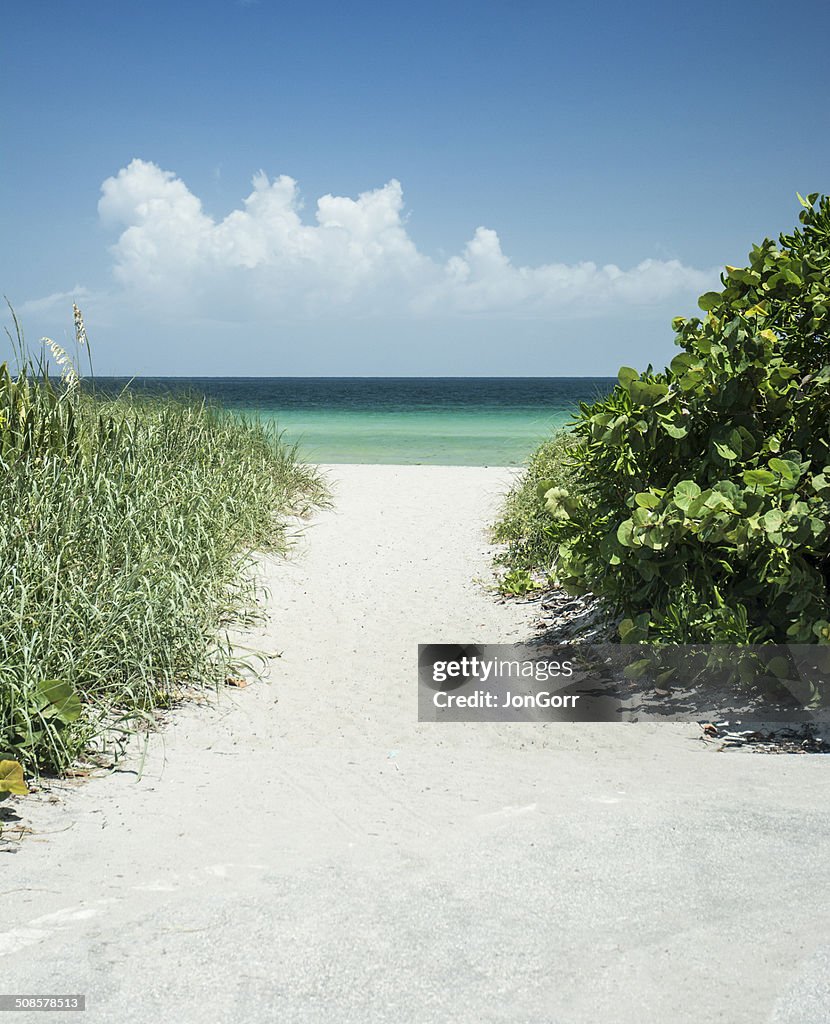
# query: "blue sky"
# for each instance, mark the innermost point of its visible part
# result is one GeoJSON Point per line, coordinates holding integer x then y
{"type": "Point", "coordinates": [543, 185]}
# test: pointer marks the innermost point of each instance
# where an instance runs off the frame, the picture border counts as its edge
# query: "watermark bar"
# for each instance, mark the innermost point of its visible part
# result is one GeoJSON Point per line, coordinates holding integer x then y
{"type": "Point", "coordinates": [41, 1002]}
{"type": "Point", "coordinates": [623, 683]}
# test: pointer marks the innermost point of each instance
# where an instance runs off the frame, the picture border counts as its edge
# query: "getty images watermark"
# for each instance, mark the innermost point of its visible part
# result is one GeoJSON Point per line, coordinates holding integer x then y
{"type": "Point", "coordinates": [619, 682]}
{"type": "Point", "coordinates": [489, 670]}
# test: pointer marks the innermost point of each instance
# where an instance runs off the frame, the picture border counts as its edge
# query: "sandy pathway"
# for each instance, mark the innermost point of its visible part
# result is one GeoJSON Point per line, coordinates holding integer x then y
{"type": "Point", "coordinates": [306, 851]}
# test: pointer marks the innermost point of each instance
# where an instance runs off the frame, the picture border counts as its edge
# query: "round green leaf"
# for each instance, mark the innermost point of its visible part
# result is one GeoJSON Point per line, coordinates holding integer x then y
{"type": "Point", "coordinates": [11, 778]}
{"type": "Point", "coordinates": [709, 300]}
{"type": "Point", "coordinates": [626, 376]}
{"type": "Point", "coordinates": [759, 477]}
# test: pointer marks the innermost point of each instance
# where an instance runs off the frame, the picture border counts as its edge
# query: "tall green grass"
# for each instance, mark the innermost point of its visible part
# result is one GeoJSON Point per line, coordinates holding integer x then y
{"type": "Point", "coordinates": [127, 528]}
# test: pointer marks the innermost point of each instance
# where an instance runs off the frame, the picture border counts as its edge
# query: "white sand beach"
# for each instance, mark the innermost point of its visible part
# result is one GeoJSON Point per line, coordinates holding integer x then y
{"type": "Point", "coordinates": [344, 863]}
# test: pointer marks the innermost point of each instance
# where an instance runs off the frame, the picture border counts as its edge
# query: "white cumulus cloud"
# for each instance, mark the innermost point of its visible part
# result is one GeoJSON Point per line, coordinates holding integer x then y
{"type": "Point", "coordinates": [56, 301]}
{"type": "Point", "coordinates": [356, 258]}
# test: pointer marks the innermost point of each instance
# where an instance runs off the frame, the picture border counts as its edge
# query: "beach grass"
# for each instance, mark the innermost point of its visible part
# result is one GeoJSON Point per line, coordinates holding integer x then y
{"type": "Point", "coordinates": [127, 527]}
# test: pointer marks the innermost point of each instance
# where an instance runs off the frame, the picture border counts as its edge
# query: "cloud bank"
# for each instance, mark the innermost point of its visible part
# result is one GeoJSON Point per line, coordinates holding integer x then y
{"type": "Point", "coordinates": [356, 259]}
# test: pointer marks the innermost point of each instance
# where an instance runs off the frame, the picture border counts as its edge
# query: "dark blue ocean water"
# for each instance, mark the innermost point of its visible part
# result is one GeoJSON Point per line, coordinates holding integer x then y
{"type": "Point", "coordinates": [466, 421]}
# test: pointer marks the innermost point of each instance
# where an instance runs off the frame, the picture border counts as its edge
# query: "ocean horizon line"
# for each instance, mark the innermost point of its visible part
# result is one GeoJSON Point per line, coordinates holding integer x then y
{"type": "Point", "coordinates": [398, 420]}
{"type": "Point", "coordinates": [298, 376]}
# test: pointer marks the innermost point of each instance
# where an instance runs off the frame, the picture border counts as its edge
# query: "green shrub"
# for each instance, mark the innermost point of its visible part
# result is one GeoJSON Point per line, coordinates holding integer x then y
{"type": "Point", "coordinates": [704, 491]}
{"type": "Point", "coordinates": [523, 526]}
{"type": "Point", "coordinates": [126, 528]}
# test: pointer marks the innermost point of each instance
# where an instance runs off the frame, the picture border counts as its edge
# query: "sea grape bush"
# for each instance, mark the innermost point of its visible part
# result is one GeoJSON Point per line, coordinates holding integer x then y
{"type": "Point", "coordinates": [523, 527]}
{"type": "Point", "coordinates": [701, 507]}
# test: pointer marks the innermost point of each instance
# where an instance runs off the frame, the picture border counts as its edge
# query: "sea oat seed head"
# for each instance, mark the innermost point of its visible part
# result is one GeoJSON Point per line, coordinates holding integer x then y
{"type": "Point", "coordinates": [80, 329]}
{"type": "Point", "coordinates": [69, 375]}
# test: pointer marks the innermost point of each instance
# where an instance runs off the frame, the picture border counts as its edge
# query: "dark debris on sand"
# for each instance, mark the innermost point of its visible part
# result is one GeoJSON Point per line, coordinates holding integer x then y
{"type": "Point", "coordinates": [729, 719]}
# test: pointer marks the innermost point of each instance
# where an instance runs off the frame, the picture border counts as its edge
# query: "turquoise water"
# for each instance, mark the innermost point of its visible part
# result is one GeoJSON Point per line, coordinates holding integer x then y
{"type": "Point", "coordinates": [461, 437]}
{"type": "Point", "coordinates": [455, 421]}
